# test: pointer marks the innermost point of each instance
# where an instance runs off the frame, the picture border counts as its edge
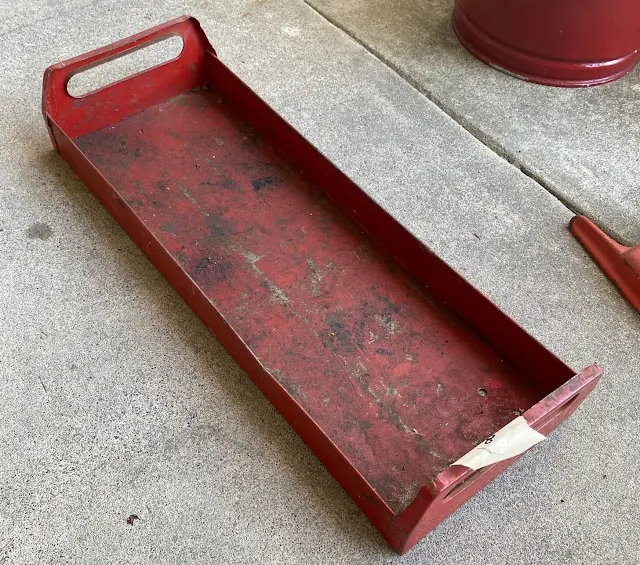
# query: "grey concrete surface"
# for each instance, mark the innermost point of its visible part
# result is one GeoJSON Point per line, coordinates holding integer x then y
{"type": "Point", "coordinates": [115, 401]}
{"type": "Point", "coordinates": [581, 144]}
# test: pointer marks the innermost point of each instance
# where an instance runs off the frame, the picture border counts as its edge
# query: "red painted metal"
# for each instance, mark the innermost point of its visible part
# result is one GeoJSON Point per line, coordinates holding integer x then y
{"type": "Point", "coordinates": [553, 42]}
{"type": "Point", "coordinates": [384, 360]}
{"type": "Point", "coordinates": [621, 264]}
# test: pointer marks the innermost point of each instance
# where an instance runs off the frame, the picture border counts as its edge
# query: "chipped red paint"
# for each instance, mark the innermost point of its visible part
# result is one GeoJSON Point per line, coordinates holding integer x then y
{"type": "Point", "coordinates": [385, 361]}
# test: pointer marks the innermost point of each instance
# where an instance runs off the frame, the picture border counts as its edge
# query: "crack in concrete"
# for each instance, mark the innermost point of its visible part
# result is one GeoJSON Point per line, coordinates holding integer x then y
{"type": "Point", "coordinates": [493, 144]}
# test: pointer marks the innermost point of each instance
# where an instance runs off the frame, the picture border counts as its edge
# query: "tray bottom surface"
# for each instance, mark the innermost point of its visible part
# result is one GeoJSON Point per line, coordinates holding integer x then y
{"type": "Point", "coordinates": [399, 384]}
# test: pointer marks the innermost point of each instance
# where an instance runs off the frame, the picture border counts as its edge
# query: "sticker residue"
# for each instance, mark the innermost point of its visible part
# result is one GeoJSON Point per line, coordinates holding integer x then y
{"type": "Point", "coordinates": [514, 439]}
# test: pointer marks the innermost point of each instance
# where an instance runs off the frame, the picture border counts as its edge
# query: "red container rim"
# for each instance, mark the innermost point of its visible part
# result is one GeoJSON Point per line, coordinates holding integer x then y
{"type": "Point", "coordinates": [533, 68]}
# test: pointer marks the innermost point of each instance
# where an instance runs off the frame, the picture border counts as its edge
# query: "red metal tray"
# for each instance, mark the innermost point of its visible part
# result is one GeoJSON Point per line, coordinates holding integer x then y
{"type": "Point", "coordinates": [385, 361]}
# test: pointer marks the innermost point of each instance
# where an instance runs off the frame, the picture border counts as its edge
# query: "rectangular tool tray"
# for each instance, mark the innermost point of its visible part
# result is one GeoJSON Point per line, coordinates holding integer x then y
{"type": "Point", "coordinates": [384, 360]}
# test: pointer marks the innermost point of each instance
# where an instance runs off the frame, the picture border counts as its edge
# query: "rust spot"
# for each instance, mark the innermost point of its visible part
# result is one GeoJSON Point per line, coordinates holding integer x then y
{"type": "Point", "coordinates": [169, 227]}
{"type": "Point", "coordinates": [219, 228]}
{"type": "Point", "coordinates": [390, 307]}
{"type": "Point", "coordinates": [337, 337]}
{"type": "Point", "coordinates": [265, 182]}
{"type": "Point", "coordinates": [203, 263]}
{"type": "Point", "coordinates": [216, 269]}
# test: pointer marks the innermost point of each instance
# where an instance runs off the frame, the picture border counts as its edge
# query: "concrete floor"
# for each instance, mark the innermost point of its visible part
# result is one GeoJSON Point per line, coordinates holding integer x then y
{"type": "Point", "coordinates": [116, 401]}
{"type": "Point", "coordinates": [580, 144]}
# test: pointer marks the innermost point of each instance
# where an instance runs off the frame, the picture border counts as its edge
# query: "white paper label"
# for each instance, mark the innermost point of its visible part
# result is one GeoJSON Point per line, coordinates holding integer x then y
{"type": "Point", "coordinates": [515, 438]}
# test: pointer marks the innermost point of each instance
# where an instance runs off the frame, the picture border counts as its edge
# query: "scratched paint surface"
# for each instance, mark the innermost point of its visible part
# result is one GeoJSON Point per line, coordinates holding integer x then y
{"type": "Point", "coordinates": [401, 386]}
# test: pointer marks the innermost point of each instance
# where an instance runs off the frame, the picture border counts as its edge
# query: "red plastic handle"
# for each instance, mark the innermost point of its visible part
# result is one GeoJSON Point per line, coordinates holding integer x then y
{"type": "Point", "coordinates": [620, 263]}
{"type": "Point", "coordinates": [58, 104]}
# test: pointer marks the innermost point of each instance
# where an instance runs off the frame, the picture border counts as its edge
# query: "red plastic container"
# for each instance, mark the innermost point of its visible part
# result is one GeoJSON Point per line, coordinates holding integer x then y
{"type": "Point", "coordinates": [390, 366]}
{"type": "Point", "coordinates": [553, 42]}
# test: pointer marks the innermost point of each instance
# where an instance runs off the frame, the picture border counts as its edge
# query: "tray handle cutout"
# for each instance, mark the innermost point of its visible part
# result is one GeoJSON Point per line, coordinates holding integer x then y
{"type": "Point", "coordinates": [463, 483]}
{"type": "Point", "coordinates": [95, 109]}
{"type": "Point", "coordinates": [111, 70]}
